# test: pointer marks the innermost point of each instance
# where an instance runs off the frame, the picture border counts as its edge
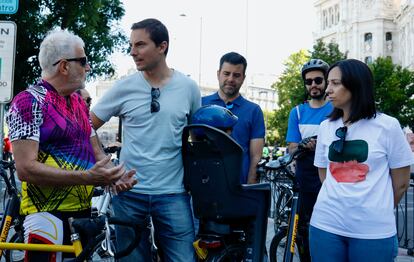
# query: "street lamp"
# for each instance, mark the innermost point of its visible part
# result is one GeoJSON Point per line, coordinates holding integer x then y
{"type": "Point", "coordinates": [200, 48]}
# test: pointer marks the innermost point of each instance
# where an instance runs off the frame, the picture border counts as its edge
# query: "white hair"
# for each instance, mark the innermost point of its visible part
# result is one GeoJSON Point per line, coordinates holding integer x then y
{"type": "Point", "coordinates": [58, 44]}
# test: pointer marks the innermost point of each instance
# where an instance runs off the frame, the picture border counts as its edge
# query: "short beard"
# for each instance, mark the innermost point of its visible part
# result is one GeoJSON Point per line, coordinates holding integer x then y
{"type": "Point", "coordinates": [321, 96]}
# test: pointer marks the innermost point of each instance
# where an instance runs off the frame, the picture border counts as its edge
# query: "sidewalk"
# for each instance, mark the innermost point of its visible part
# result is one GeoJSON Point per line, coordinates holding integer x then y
{"type": "Point", "coordinates": [403, 257]}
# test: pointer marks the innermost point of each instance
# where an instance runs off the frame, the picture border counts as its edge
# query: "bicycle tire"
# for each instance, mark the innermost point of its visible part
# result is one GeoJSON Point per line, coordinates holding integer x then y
{"type": "Point", "coordinates": [282, 208]}
{"type": "Point", "coordinates": [278, 245]}
{"type": "Point", "coordinates": [15, 255]}
{"type": "Point", "coordinates": [232, 253]}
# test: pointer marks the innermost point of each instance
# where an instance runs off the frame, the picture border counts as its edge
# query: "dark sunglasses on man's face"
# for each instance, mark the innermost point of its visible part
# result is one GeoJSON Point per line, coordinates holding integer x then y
{"type": "Point", "coordinates": [88, 100]}
{"type": "Point", "coordinates": [318, 80]}
{"type": "Point", "coordinates": [155, 105]}
{"type": "Point", "coordinates": [338, 145]}
{"type": "Point", "coordinates": [82, 60]}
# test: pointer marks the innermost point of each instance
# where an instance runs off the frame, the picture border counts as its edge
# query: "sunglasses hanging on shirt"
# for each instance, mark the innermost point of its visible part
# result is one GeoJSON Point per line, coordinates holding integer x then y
{"type": "Point", "coordinates": [155, 105]}
{"type": "Point", "coordinates": [338, 145]}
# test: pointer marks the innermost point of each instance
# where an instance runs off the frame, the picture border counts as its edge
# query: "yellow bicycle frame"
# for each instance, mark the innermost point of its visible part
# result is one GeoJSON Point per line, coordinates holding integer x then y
{"type": "Point", "coordinates": [5, 231]}
{"type": "Point", "coordinates": [75, 248]}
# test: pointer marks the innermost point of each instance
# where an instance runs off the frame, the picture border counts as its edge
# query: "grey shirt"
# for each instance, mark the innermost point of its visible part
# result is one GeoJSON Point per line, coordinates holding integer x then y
{"type": "Point", "coordinates": [152, 141]}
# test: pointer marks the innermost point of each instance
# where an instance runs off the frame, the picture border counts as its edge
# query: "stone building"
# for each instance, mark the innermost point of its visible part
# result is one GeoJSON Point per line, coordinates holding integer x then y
{"type": "Point", "coordinates": [367, 29]}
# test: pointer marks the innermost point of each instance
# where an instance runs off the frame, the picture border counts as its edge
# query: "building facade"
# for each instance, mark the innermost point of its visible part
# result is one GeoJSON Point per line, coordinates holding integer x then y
{"type": "Point", "coordinates": [109, 131]}
{"type": "Point", "coordinates": [367, 29]}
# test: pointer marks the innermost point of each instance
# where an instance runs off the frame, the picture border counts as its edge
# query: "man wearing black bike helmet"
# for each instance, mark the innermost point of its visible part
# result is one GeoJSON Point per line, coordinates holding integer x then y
{"type": "Point", "coordinates": [304, 121]}
{"type": "Point", "coordinates": [215, 116]}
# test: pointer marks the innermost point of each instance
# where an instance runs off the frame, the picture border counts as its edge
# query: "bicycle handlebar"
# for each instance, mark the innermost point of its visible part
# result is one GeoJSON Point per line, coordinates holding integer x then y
{"type": "Point", "coordinates": [7, 164]}
{"type": "Point", "coordinates": [111, 149]}
{"type": "Point", "coordinates": [284, 161]}
{"type": "Point", "coordinates": [93, 227]}
{"type": "Point", "coordinates": [10, 185]}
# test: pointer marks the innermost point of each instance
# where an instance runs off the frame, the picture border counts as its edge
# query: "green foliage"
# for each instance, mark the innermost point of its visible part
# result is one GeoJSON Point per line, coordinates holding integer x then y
{"type": "Point", "coordinates": [271, 133]}
{"type": "Point", "coordinates": [95, 21]}
{"type": "Point", "coordinates": [290, 92]}
{"type": "Point", "coordinates": [394, 90]}
{"type": "Point", "coordinates": [329, 53]}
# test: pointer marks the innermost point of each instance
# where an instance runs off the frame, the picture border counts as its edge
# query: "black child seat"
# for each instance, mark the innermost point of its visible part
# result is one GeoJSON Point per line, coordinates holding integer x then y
{"type": "Point", "coordinates": [212, 168]}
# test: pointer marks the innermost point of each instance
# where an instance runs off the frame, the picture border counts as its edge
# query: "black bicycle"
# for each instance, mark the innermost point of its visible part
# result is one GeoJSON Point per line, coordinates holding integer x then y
{"type": "Point", "coordinates": [11, 219]}
{"type": "Point", "coordinates": [96, 229]}
{"type": "Point", "coordinates": [285, 243]}
{"type": "Point", "coordinates": [281, 190]}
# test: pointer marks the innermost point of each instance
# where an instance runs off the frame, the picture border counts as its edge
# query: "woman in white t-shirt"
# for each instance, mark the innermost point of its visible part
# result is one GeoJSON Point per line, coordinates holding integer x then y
{"type": "Point", "coordinates": [364, 164]}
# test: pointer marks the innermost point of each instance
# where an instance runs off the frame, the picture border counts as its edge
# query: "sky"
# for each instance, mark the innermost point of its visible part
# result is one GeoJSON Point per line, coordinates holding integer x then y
{"type": "Point", "coordinates": [266, 32]}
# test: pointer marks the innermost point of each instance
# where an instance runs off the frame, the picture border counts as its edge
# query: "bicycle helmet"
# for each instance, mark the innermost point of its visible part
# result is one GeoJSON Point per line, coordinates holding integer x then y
{"type": "Point", "coordinates": [315, 64]}
{"type": "Point", "coordinates": [215, 116]}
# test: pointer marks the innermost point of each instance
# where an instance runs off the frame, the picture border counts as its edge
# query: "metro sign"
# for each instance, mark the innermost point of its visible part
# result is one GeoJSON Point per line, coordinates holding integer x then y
{"type": "Point", "coordinates": [9, 7]}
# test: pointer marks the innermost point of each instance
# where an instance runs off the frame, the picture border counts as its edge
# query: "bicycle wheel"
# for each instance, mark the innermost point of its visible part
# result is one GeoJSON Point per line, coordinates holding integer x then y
{"type": "Point", "coordinates": [15, 255]}
{"type": "Point", "coordinates": [282, 209]}
{"type": "Point", "coordinates": [278, 245]}
{"type": "Point", "coordinates": [233, 253]}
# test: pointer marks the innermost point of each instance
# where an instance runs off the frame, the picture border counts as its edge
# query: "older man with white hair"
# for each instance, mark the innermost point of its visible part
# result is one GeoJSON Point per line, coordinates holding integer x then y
{"type": "Point", "coordinates": [58, 157]}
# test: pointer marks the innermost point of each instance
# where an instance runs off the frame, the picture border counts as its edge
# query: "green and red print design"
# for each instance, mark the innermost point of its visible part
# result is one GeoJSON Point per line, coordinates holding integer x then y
{"type": "Point", "coordinates": [347, 166]}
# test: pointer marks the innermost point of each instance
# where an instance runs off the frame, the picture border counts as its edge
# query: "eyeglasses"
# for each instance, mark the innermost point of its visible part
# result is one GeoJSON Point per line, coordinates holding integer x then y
{"type": "Point", "coordinates": [82, 60]}
{"type": "Point", "coordinates": [229, 105]}
{"type": "Point", "coordinates": [155, 105]}
{"type": "Point", "coordinates": [338, 145]}
{"type": "Point", "coordinates": [88, 100]}
{"type": "Point", "coordinates": [318, 80]}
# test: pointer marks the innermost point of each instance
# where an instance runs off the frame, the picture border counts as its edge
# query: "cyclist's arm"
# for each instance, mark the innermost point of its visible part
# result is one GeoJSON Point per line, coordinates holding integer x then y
{"type": "Point", "coordinates": [400, 182]}
{"type": "Point", "coordinates": [96, 122]}
{"type": "Point", "coordinates": [128, 180]}
{"type": "Point", "coordinates": [322, 174]}
{"type": "Point", "coordinates": [29, 169]}
{"type": "Point", "coordinates": [255, 151]}
{"type": "Point", "coordinates": [98, 150]}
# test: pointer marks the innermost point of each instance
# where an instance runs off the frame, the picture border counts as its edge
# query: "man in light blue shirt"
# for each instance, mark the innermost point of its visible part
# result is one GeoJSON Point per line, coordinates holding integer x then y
{"type": "Point", "coordinates": [154, 104]}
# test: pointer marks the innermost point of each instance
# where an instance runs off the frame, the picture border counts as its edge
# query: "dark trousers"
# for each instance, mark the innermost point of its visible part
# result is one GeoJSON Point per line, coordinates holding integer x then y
{"type": "Point", "coordinates": [307, 201]}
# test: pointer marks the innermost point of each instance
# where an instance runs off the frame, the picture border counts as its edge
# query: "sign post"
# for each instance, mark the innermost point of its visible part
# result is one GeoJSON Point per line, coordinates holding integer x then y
{"type": "Point", "coordinates": [7, 56]}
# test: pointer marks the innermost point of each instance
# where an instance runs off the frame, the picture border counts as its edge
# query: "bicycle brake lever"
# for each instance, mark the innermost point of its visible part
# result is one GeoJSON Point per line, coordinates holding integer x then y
{"type": "Point", "coordinates": [106, 243]}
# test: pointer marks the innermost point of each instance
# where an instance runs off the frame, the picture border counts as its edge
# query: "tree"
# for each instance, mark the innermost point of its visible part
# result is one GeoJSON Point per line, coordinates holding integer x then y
{"type": "Point", "coordinates": [327, 52]}
{"type": "Point", "coordinates": [290, 92]}
{"type": "Point", "coordinates": [95, 21]}
{"type": "Point", "coordinates": [290, 86]}
{"type": "Point", "coordinates": [394, 90]}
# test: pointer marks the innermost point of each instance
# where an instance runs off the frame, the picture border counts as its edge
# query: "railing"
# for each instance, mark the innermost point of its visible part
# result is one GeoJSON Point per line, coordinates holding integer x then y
{"type": "Point", "coordinates": [404, 217]}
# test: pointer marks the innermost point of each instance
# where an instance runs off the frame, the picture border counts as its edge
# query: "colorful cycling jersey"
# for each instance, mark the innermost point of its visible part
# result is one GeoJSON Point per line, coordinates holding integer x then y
{"type": "Point", "coordinates": [61, 126]}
